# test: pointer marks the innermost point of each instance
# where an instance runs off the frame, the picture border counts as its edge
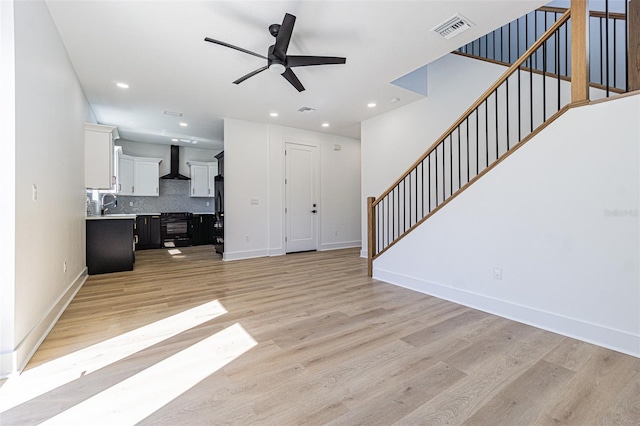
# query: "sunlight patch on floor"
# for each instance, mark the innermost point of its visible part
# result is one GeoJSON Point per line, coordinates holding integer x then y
{"type": "Point", "coordinates": [139, 396]}
{"type": "Point", "coordinates": [51, 375]}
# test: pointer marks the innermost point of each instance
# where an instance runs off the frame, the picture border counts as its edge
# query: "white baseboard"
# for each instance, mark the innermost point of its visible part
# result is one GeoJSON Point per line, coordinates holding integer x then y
{"type": "Point", "coordinates": [249, 254]}
{"type": "Point", "coordinates": [364, 253]}
{"type": "Point", "coordinates": [607, 337]}
{"type": "Point", "coordinates": [14, 362]}
{"type": "Point", "coordinates": [338, 246]}
{"type": "Point", "coordinates": [277, 252]}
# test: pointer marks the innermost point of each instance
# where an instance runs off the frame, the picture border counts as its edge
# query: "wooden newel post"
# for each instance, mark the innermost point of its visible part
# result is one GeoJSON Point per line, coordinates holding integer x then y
{"type": "Point", "coordinates": [371, 234]}
{"type": "Point", "coordinates": [579, 51]}
{"type": "Point", "coordinates": [633, 22]}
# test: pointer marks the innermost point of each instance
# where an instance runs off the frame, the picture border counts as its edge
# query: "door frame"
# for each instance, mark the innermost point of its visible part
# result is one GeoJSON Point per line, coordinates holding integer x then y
{"type": "Point", "coordinates": [316, 146]}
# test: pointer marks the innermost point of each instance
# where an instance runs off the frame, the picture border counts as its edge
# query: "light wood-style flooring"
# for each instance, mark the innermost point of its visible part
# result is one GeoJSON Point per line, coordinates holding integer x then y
{"type": "Point", "coordinates": [307, 339]}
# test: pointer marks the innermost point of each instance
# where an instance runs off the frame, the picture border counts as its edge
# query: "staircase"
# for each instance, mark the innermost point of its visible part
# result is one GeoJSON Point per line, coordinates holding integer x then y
{"type": "Point", "coordinates": [546, 76]}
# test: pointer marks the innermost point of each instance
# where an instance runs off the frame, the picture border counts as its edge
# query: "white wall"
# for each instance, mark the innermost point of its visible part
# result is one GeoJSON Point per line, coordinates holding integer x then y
{"type": "Point", "coordinates": [254, 169]}
{"type": "Point", "coordinates": [393, 141]}
{"type": "Point", "coordinates": [50, 109]}
{"type": "Point", "coordinates": [560, 217]}
{"type": "Point", "coordinates": [8, 178]}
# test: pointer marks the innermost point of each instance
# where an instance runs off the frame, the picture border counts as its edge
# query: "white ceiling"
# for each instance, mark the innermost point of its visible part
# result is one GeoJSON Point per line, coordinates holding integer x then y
{"type": "Point", "coordinates": [157, 48]}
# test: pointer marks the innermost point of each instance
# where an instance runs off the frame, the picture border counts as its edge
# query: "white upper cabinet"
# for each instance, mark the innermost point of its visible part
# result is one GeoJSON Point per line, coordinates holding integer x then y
{"type": "Point", "coordinates": [99, 172]}
{"type": "Point", "coordinates": [138, 176]}
{"type": "Point", "coordinates": [202, 178]}
{"type": "Point", "coordinates": [146, 177]}
{"type": "Point", "coordinates": [125, 175]}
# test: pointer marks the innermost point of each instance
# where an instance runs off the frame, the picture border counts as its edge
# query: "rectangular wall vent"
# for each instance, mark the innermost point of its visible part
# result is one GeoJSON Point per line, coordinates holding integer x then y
{"type": "Point", "coordinates": [453, 26]}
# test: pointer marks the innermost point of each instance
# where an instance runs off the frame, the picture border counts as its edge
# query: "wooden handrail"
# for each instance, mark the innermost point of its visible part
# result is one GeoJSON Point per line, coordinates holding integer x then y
{"type": "Point", "coordinates": [512, 69]}
{"type": "Point", "coordinates": [592, 13]}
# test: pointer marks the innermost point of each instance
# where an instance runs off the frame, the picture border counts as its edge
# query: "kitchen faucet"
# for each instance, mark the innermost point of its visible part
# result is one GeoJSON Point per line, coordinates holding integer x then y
{"type": "Point", "coordinates": [103, 206]}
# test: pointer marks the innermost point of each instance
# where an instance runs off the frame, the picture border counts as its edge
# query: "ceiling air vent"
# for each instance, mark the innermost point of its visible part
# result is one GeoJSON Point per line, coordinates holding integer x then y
{"type": "Point", "coordinates": [306, 109]}
{"type": "Point", "coordinates": [453, 26]}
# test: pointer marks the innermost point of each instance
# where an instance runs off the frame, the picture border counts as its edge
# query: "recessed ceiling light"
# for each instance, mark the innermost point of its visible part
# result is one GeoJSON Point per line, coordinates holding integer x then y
{"type": "Point", "coordinates": [325, 124]}
{"type": "Point", "coordinates": [122, 85]}
{"type": "Point", "coordinates": [183, 124]}
{"type": "Point", "coordinates": [185, 140]}
{"type": "Point", "coordinates": [174, 140]}
{"type": "Point", "coordinates": [194, 142]}
{"type": "Point", "coordinates": [274, 114]}
{"type": "Point", "coordinates": [371, 104]}
{"type": "Point", "coordinates": [394, 100]}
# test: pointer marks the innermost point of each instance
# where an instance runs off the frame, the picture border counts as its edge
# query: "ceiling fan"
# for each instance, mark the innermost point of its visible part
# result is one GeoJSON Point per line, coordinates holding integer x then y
{"type": "Point", "coordinates": [277, 59]}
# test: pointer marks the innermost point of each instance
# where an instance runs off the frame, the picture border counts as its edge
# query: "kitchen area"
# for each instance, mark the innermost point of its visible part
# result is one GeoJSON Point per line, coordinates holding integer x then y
{"type": "Point", "coordinates": [144, 196]}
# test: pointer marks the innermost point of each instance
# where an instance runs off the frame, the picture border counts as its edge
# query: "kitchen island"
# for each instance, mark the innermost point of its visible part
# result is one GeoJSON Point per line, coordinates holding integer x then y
{"type": "Point", "coordinates": [110, 243]}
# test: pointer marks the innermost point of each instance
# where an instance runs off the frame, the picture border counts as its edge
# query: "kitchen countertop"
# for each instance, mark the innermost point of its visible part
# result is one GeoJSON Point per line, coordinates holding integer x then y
{"type": "Point", "coordinates": [112, 216]}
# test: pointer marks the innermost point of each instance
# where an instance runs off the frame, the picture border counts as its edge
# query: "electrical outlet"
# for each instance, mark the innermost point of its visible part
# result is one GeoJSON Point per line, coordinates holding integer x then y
{"type": "Point", "coordinates": [246, 239]}
{"type": "Point", "coordinates": [64, 266]}
{"type": "Point", "coordinates": [335, 232]}
{"type": "Point", "coordinates": [497, 273]}
{"type": "Point", "coordinates": [208, 203]}
{"type": "Point", "coordinates": [130, 203]}
{"type": "Point", "coordinates": [34, 192]}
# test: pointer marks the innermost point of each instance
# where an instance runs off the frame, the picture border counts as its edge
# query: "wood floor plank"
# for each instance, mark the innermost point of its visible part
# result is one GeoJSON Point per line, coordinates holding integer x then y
{"type": "Point", "coordinates": [594, 389]}
{"type": "Point", "coordinates": [332, 346]}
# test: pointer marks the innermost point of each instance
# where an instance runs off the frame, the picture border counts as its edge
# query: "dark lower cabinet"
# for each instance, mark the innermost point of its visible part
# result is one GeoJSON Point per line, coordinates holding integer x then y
{"type": "Point", "coordinates": [202, 229]}
{"type": "Point", "coordinates": [109, 245]}
{"type": "Point", "coordinates": [148, 232]}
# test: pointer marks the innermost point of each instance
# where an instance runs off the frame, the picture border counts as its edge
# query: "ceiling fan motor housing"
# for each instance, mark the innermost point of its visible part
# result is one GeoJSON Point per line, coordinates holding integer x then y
{"type": "Point", "coordinates": [275, 64]}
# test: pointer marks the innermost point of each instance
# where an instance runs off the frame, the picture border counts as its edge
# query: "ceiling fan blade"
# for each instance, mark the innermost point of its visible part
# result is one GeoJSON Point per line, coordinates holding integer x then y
{"type": "Point", "coordinates": [251, 74]}
{"type": "Point", "coordinates": [284, 36]}
{"type": "Point", "coordinates": [304, 61]}
{"type": "Point", "coordinates": [289, 75]}
{"type": "Point", "coordinates": [222, 43]}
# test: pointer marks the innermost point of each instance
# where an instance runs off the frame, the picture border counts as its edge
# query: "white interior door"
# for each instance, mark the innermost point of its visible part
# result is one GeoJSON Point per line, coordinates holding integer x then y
{"type": "Point", "coordinates": [301, 198]}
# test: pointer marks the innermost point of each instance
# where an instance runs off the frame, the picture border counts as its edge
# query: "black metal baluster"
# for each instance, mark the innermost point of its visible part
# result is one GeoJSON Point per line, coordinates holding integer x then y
{"type": "Point", "coordinates": [566, 49]}
{"type": "Point", "coordinates": [519, 106]}
{"type": "Point", "coordinates": [436, 170]}
{"type": "Point", "coordinates": [518, 38]}
{"type": "Point", "coordinates": [508, 117]}
{"type": "Point", "coordinates": [531, 90]}
{"type": "Point", "coordinates": [459, 181]}
{"type": "Point", "coordinates": [502, 43]}
{"type": "Point", "coordinates": [606, 22]}
{"type": "Point", "coordinates": [444, 182]}
{"type": "Point", "coordinates": [459, 160]}
{"type": "Point", "coordinates": [409, 177]}
{"type": "Point", "coordinates": [544, 81]}
{"type": "Point", "coordinates": [614, 53]}
{"type": "Point", "coordinates": [509, 41]}
{"type": "Point", "coordinates": [497, 120]}
{"type": "Point", "coordinates": [477, 141]}
{"type": "Point", "coordinates": [429, 181]}
{"type": "Point", "coordinates": [601, 57]}
{"type": "Point", "coordinates": [486, 131]}
{"type": "Point", "coordinates": [535, 37]}
{"type": "Point", "coordinates": [451, 163]}
{"type": "Point", "coordinates": [557, 36]}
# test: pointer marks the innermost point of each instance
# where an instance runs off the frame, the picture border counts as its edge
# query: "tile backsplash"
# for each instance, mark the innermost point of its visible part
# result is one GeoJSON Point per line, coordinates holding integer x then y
{"type": "Point", "coordinates": [174, 197]}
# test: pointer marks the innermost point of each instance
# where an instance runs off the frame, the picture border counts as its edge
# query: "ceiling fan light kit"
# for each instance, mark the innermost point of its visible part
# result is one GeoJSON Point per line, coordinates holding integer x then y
{"type": "Point", "coordinates": [277, 59]}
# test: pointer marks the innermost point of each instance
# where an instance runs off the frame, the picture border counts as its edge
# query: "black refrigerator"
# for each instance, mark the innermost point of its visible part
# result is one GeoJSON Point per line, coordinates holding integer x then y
{"type": "Point", "coordinates": [218, 227]}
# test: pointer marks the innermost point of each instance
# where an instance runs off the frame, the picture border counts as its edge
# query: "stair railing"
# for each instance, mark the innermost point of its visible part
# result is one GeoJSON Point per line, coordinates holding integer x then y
{"type": "Point", "coordinates": [518, 105]}
{"type": "Point", "coordinates": [609, 41]}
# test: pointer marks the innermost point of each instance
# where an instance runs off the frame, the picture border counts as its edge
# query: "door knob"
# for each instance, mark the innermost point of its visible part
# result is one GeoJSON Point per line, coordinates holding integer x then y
{"type": "Point", "coordinates": [314, 211]}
